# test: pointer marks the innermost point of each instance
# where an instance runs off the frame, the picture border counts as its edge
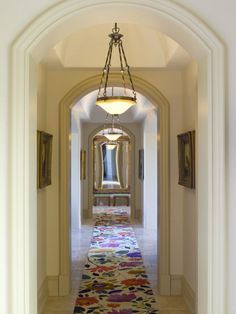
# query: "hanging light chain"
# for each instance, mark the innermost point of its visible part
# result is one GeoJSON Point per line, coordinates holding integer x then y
{"type": "Point", "coordinates": [116, 40]}
{"type": "Point", "coordinates": [128, 69]}
{"type": "Point", "coordinates": [108, 65]}
{"type": "Point", "coordinates": [122, 67]}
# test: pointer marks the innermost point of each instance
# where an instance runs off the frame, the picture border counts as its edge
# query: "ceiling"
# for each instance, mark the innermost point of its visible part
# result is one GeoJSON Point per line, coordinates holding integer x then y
{"type": "Point", "coordinates": [144, 48]}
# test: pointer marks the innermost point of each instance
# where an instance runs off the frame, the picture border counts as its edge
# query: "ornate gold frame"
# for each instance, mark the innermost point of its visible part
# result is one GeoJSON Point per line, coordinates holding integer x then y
{"type": "Point", "coordinates": [101, 139]}
{"type": "Point", "coordinates": [186, 153]}
{"type": "Point", "coordinates": [44, 156]}
{"type": "Point", "coordinates": [82, 164]}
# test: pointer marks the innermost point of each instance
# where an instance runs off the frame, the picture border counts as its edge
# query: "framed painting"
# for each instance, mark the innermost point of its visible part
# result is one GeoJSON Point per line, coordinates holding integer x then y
{"type": "Point", "coordinates": [82, 164]}
{"type": "Point", "coordinates": [186, 154]}
{"type": "Point", "coordinates": [141, 164]}
{"type": "Point", "coordinates": [44, 144]}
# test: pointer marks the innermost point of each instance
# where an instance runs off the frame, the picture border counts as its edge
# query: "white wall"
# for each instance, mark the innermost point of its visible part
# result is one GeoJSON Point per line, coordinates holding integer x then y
{"type": "Point", "coordinates": [189, 195]}
{"type": "Point", "coordinates": [150, 185]}
{"type": "Point", "coordinates": [76, 197]}
{"type": "Point", "coordinates": [42, 193]}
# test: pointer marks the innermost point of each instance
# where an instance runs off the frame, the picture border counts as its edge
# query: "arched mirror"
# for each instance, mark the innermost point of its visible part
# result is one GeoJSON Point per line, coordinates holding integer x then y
{"type": "Point", "coordinates": [111, 164]}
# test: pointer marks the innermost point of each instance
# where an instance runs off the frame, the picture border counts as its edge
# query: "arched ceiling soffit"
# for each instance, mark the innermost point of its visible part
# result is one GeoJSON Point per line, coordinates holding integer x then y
{"type": "Point", "coordinates": [145, 47]}
{"type": "Point", "coordinates": [129, 16]}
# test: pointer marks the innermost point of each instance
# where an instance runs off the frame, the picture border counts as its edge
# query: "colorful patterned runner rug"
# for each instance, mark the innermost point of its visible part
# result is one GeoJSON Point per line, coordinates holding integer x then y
{"type": "Point", "coordinates": [114, 279]}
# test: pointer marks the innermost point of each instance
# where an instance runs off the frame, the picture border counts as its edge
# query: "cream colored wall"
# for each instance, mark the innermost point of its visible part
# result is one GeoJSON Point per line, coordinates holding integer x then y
{"type": "Point", "coordinates": [150, 184]}
{"type": "Point", "coordinates": [76, 200]}
{"type": "Point", "coordinates": [58, 84]}
{"type": "Point", "coordinates": [170, 84]}
{"type": "Point", "coordinates": [42, 193]}
{"type": "Point", "coordinates": [189, 195]}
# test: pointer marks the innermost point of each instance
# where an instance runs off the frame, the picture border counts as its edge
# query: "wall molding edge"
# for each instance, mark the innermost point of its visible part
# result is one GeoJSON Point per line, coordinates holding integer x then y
{"type": "Point", "coordinates": [176, 283]}
{"type": "Point", "coordinates": [53, 286]}
{"type": "Point", "coordinates": [42, 295]}
{"type": "Point", "coordinates": [189, 296]}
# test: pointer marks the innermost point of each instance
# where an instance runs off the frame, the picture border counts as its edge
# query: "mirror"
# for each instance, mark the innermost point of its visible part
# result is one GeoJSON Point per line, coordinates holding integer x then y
{"type": "Point", "coordinates": [111, 164]}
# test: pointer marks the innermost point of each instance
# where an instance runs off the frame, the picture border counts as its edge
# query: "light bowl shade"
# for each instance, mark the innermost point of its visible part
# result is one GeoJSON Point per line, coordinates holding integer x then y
{"type": "Point", "coordinates": [116, 104]}
{"type": "Point", "coordinates": [112, 136]}
{"type": "Point", "coordinates": [110, 146]}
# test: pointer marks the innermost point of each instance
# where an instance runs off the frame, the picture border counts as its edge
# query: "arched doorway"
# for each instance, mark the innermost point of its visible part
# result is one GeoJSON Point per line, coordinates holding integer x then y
{"type": "Point", "coordinates": [130, 184]}
{"type": "Point", "coordinates": [188, 30]}
{"type": "Point", "coordinates": [158, 100]}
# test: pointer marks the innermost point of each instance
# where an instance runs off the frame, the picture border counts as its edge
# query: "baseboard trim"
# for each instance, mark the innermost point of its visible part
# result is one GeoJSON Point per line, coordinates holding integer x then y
{"type": "Point", "coordinates": [176, 284]}
{"type": "Point", "coordinates": [53, 286]}
{"type": "Point", "coordinates": [164, 285]}
{"type": "Point", "coordinates": [189, 296]}
{"type": "Point", "coordinates": [64, 285]}
{"type": "Point", "coordinates": [42, 296]}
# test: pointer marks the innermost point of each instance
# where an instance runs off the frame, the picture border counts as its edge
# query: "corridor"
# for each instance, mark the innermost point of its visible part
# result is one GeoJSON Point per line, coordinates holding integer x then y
{"type": "Point", "coordinates": [80, 244]}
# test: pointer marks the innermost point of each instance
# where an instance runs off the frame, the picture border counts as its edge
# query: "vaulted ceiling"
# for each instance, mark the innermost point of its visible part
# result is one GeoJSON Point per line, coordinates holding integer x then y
{"type": "Point", "coordinates": [145, 48]}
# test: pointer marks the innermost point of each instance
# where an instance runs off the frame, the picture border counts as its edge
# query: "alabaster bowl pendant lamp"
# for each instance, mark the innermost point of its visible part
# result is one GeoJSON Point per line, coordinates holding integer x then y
{"type": "Point", "coordinates": [113, 133]}
{"type": "Point", "coordinates": [116, 104]}
{"type": "Point", "coordinates": [111, 145]}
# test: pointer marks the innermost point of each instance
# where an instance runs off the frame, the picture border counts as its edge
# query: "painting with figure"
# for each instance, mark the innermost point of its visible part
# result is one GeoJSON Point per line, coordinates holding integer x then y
{"type": "Point", "coordinates": [186, 156]}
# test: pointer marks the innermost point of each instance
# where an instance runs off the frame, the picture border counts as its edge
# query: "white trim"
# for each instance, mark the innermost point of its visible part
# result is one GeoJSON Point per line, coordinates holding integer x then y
{"type": "Point", "coordinates": [53, 286]}
{"type": "Point", "coordinates": [212, 276]}
{"type": "Point", "coordinates": [176, 284]}
{"type": "Point", "coordinates": [189, 296]}
{"type": "Point", "coordinates": [159, 101]}
{"type": "Point", "coordinates": [42, 296]}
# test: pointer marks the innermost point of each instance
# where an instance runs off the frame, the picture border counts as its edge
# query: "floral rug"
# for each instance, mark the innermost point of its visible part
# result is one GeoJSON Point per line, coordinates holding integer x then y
{"type": "Point", "coordinates": [114, 279]}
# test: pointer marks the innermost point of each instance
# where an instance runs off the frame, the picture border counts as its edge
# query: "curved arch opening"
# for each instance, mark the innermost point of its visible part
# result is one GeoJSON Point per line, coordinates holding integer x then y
{"type": "Point", "coordinates": [138, 188]}
{"type": "Point", "coordinates": [188, 30]}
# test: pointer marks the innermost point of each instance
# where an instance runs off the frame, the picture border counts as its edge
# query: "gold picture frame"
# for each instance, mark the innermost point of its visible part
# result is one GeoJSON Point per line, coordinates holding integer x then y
{"type": "Point", "coordinates": [141, 164]}
{"type": "Point", "coordinates": [44, 156]}
{"type": "Point", "coordinates": [82, 164]}
{"type": "Point", "coordinates": [186, 154]}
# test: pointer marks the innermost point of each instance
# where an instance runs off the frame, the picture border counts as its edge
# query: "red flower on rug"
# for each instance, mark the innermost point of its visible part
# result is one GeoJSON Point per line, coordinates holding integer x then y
{"type": "Point", "coordinates": [116, 297]}
{"type": "Point", "coordinates": [86, 301]}
{"type": "Point", "coordinates": [101, 268]}
{"type": "Point", "coordinates": [100, 286]}
{"type": "Point", "coordinates": [113, 305]}
{"type": "Point", "coordinates": [134, 282]}
{"type": "Point", "coordinates": [128, 311]}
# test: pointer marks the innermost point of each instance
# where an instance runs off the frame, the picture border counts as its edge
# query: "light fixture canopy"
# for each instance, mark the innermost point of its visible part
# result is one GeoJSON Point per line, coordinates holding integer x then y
{"type": "Point", "coordinates": [114, 104]}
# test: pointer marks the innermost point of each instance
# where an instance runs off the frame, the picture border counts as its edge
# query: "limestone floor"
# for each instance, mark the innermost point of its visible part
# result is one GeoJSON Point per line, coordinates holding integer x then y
{"type": "Point", "coordinates": [80, 244]}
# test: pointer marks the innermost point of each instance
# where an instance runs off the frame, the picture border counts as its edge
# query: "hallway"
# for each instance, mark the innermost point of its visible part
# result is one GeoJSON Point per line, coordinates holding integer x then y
{"type": "Point", "coordinates": [147, 243]}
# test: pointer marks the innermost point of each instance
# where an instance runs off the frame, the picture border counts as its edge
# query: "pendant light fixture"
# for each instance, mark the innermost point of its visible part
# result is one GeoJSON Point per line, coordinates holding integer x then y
{"type": "Point", "coordinates": [110, 145]}
{"type": "Point", "coordinates": [113, 133]}
{"type": "Point", "coordinates": [114, 104]}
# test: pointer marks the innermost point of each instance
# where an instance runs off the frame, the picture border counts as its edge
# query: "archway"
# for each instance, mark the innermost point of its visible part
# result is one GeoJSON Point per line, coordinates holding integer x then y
{"type": "Point", "coordinates": [191, 33]}
{"type": "Point", "coordinates": [158, 100]}
{"type": "Point", "coordinates": [90, 172]}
